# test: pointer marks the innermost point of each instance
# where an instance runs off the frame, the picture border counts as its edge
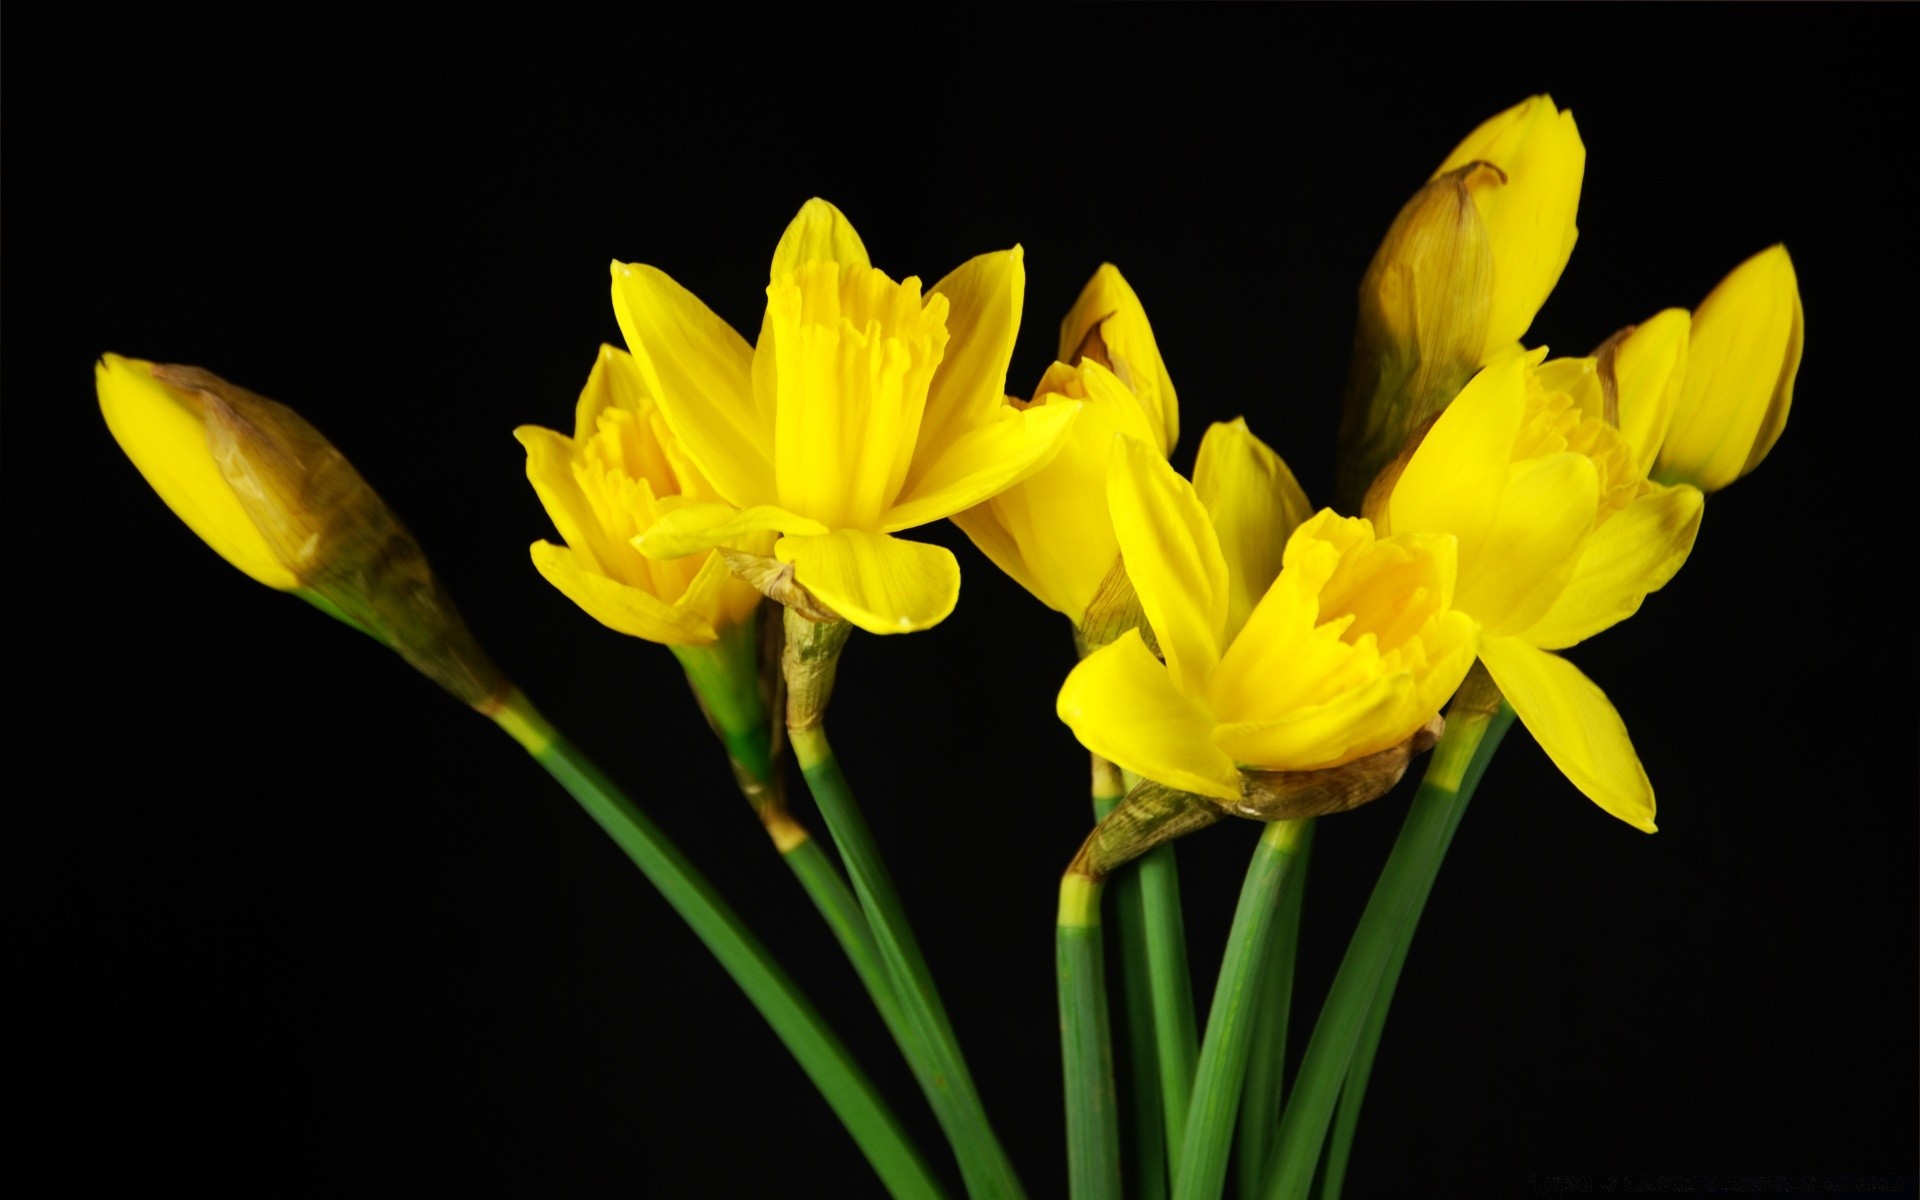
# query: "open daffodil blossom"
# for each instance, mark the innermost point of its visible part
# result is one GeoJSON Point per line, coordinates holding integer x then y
{"type": "Point", "coordinates": [1561, 534]}
{"type": "Point", "coordinates": [864, 409]}
{"type": "Point", "coordinates": [620, 471]}
{"type": "Point", "coordinates": [1348, 650]}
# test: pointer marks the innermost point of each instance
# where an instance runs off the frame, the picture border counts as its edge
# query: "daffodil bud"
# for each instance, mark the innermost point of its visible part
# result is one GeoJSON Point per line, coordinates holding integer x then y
{"type": "Point", "coordinates": [1528, 206]}
{"type": "Point", "coordinates": [1463, 270]}
{"type": "Point", "coordinates": [1742, 356]}
{"type": "Point", "coordinates": [262, 487]}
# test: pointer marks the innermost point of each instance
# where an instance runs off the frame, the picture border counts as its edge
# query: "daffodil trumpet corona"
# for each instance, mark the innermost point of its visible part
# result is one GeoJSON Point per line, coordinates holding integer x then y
{"type": "Point", "coordinates": [865, 408]}
{"type": "Point", "coordinates": [274, 498]}
{"type": "Point", "coordinates": [1289, 687]}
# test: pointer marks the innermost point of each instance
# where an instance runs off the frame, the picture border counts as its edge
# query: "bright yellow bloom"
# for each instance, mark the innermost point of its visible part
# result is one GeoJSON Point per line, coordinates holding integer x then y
{"type": "Point", "coordinates": [1744, 353]}
{"type": "Point", "coordinates": [1051, 532]}
{"type": "Point", "coordinates": [1560, 535]}
{"type": "Point", "coordinates": [621, 471]}
{"type": "Point", "coordinates": [273, 497]}
{"type": "Point", "coordinates": [163, 427]}
{"type": "Point", "coordinates": [864, 409]}
{"type": "Point", "coordinates": [1528, 207]}
{"type": "Point", "coordinates": [1353, 647]}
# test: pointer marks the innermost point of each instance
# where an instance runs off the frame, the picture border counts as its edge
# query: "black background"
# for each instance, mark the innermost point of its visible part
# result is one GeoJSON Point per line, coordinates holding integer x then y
{"type": "Point", "coordinates": [290, 917]}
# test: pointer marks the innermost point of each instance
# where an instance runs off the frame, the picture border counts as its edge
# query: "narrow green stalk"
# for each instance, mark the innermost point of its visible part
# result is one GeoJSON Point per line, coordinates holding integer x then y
{"type": "Point", "coordinates": [983, 1163]}
{"type": "Point", "coordinates": [840, 1080]}
{"type": "Point", "coordinates": [1222, 1071]}
{"type": "Point", "coordinates": [1146, 1164]}
{"type": "Point", "coordinates": [1408, 873]}
{"type": "Point", "coordinates": [1347, 1117]}
{"type": "Point", "coordinates": [1267, 1056]}
{"type": "Point", "coordinates": [1175, 1030]}
{"type": "Point", "coordinates": [1086, 1048]}
{"type": "Point", "coordinates": [828, 890]}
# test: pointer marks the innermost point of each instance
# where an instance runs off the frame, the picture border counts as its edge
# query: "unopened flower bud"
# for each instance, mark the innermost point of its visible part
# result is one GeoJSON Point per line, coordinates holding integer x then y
{"type": "Point", "coordinates": [1742, 356]}
{"type": "Point", "coordinates": [262, 487]}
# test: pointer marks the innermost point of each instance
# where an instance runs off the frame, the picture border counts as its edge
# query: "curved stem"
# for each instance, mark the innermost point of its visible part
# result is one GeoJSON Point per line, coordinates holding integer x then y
{"type": "Point", "coordinates": [983, 1163]}
{"type": "Point", "coordinates": [1236, 999]}
{"type": "Point", "coordinates": [1347, 1117]}
{"type": "Point", "coordinates": [1408, 872]}
{"type": "Point", "coordinates": [1086, 1049]}
{"type": "Point", "coordinates": [819, 1053]}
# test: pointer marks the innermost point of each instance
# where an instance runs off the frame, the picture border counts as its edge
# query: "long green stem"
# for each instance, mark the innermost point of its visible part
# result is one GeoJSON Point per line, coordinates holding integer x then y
{"type": "Point", "coordinates": [828, 890]}
{"type": "Point", "coordinates": [1347, 1116]}
{"type": "Point", "coordinates": [1146, 1163]}
{"type": "Point", "coordinates": [1267, 1056]}
{"type": "Point", "coordinates": [983, 1163]}
{"type": "Point", "coordinates": [840, 1080]}
{"type": "Point", "coordinates": [1236, 999]}
{"type": "Point", "coordinates": [1408, 872]}
{"type": "Point", "coordinates": [1086, 1047]}
{"type": "Point", "coordinates": [1175, 1031]}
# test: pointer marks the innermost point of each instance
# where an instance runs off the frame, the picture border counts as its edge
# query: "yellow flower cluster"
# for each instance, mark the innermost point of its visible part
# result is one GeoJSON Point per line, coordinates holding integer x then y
{"type": "Point", "coordinates": [1509, 506]}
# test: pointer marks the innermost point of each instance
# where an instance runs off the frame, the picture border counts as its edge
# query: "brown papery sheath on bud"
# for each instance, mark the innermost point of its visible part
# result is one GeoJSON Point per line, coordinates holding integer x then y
{"type": "Point", "coordinates": [345, 546]}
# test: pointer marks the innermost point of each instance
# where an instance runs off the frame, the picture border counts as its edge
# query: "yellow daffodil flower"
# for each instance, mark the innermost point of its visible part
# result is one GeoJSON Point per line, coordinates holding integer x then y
{"type": "Point", "coordinates": [1051, 532]}
{"type": "Point", "coordinates": [1527, 206]}
{"type": "Point", "coordinates": [621, 471]}
{"type": "Point", "coordinates": [1560, 533]}
{"type": "Point", "coordinates": [273, 497]}
{"type": "Point", "coordinates": [1347, 651]}
{"type": "Point", "coordinates": [864, 409]}
{"type": "Point", "coordinates": [1743, 355]}
{"type": "Point", "coordinates": [1458, 279]}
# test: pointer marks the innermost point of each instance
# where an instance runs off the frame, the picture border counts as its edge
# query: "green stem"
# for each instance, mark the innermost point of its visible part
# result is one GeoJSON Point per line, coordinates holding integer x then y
{"type": "Point", "coordinates": [983, 1163]}
{"type": "Point", "coordinates": [840, 1080]}
{"type": "Point", "coordinates": [1146, 1163]}
{"type": "Point", "coordinates": [1267, 1057]}
{"type": "Point", "coordinates": [828, 890]}
{"type": "Point", "coordinates": [1174, 1028]}
{"type": "Point", "coordinates": [1223, 1055]}
{"type": "Point", "coordinates": [1347, 1117]}
{"type": "Point", "coordinates": [1086, 1049]}
{"type": "Point", "coordinates": [1408, 873]}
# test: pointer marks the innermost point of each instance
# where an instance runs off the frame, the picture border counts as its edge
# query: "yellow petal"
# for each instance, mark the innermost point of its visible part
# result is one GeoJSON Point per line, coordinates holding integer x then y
{"type": "Point", "coordinates": [1454, 480]}
{"type": "Point", "coordinates": [1529, 217]}
{"type": "Point", "coordinates": [882, 584]}
{"type": "Point", "coordinates": [1051, 531]}
{"type": "Point", "coordinates": [163, 431]}
{"type": "Point", "coordinates": [550, 469]}
{"type": "Point", "coordinates": [620, 608]}
{"type": "Point", "coordinates": [699, 371]}
{"type": "Point", "coordinates": [1512, 573]}
{"type": "Point", "coordinates": [982, 462]}
{"type": "Point", "coordinates": [1632, 553]}
{"type": "Point", "coordinates": [1575, 724]}
{"type": "Point", "coordinates": [696, 527]}
{"type": "Point", "coordinates": [1254, 503]}
{"type": "Point", "coordinates": [1173, 558]}
{"type": "Point", "coordinates": [1649, 369]}
{"type": "Point", "coordinates": [1742, 356]}
{"type": "Point", "coordinates": [1322, 735]}
{"type": "Point", "coordinates": [984, 296]}
{"type": "Point", "coordinates": [818, 233]}
{"type": "Point", "coordinates": [614, 382]}
{"type": "Point", "coordinates": [1109, 325]}
{"type": "Point", "coordinates": [1123, 706]}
